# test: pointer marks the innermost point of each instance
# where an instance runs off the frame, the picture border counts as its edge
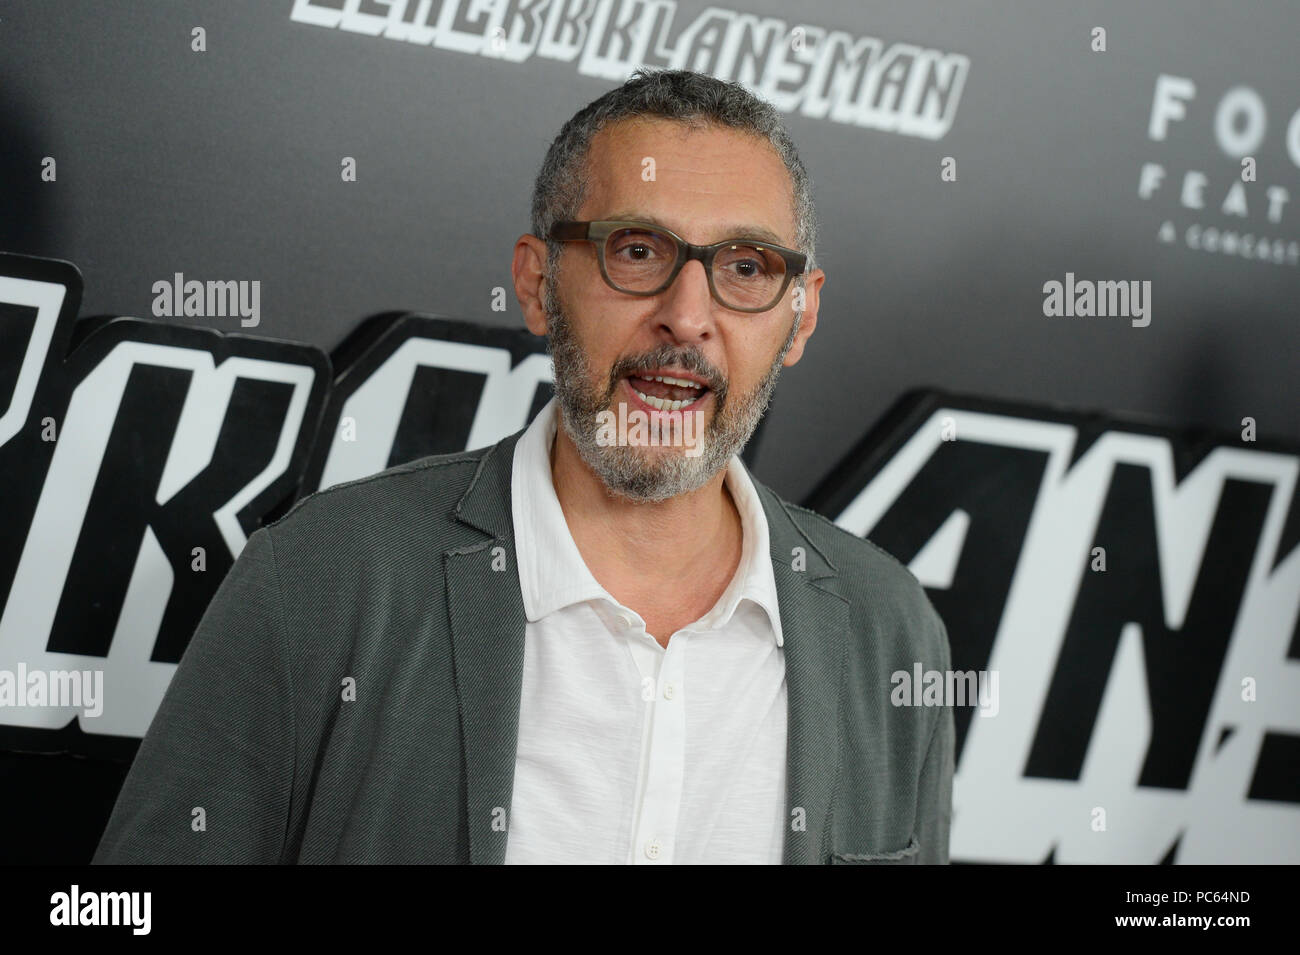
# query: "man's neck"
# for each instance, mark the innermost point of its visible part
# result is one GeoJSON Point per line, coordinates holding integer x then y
{"type": "Point", "coordinates": [680, 552]}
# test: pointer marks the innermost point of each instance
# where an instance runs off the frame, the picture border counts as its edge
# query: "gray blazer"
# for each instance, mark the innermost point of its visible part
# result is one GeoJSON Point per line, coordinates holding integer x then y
{"type": "Point", "coordinates": [404, 587]}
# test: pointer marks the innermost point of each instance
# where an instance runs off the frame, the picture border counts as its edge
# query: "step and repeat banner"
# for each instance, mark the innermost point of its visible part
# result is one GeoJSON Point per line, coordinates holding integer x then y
{"type": "Point", "coordinates": [249, 250]}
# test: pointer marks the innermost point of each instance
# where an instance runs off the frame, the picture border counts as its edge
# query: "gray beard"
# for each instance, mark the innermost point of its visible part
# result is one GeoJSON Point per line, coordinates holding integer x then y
{"type": "Point", "coordinates": [637, 473]}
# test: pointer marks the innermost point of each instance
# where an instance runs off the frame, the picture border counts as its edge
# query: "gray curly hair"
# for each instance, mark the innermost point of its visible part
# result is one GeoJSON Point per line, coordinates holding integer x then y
{"type": "Point", "coordinates": [694, 99]}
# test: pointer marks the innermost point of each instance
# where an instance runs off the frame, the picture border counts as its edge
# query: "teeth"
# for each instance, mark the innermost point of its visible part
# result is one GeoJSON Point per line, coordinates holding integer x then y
{"type": "Point", "coordinates": [680, 382]}
{"type": "Point", "coordinates": [663, 404]}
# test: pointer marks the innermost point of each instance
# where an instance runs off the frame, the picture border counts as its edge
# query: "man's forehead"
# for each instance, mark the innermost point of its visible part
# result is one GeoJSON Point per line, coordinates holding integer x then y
{"type": "Point", "coordinates": [690, 179]}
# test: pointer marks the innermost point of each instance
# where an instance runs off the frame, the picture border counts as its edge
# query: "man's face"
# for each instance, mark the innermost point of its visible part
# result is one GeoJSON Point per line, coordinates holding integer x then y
{"type": "Point", "coordinates": [707, 185]}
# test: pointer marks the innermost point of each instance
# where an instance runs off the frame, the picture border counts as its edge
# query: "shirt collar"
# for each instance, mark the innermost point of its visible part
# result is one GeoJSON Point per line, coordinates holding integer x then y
{"type": "Point", "coordinates": [552, 573]}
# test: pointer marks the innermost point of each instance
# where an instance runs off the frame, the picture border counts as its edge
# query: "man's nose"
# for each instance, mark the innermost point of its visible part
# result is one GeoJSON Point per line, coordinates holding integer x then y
{"type": "Point", "coordinates": [688, 307]}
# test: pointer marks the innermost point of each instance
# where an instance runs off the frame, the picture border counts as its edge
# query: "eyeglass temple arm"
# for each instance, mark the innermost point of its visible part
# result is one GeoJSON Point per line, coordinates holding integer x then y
{"type": "Point", "coordinates": [570, 230]}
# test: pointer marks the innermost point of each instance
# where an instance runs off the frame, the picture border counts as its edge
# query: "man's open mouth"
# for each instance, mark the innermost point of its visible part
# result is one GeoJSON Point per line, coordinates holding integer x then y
{"type": "Point", "coordinates": [667, 393]}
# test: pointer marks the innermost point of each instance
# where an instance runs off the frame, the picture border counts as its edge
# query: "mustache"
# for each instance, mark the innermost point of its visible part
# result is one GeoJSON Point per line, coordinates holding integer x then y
{"type": "Point", "coordinates": [692, 362]}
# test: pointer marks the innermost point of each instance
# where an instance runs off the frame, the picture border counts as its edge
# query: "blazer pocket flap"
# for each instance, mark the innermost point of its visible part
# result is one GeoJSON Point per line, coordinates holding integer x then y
{"type": "Point", "coordinates": [904, 856]}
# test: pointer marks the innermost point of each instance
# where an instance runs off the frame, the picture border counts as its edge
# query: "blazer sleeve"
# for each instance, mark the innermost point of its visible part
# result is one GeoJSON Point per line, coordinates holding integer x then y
{"type": "Point", "coordinates": [934, 794]}
{"type": "Point", "coordinates": [213, 777]}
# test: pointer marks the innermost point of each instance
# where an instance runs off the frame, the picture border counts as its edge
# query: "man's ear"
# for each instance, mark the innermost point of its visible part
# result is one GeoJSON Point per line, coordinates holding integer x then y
{"type": "Point", "coordinates": [528, 271]}
{"type": "Point", "coordinates": [812, 288]}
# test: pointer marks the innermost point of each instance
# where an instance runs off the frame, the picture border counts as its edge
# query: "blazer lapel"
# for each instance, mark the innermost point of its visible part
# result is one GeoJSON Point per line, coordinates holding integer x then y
{"type": "Point", "coordinates": [486, 613]}
{"type": "Point", "coordinates": [814, 624]}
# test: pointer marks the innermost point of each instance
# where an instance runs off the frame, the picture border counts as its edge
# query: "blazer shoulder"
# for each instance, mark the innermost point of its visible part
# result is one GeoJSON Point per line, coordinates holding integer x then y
{"type": "Point", "coordinates": [847, 551]}
{"type": "Point", "coordinates": [877, 584]}
{"type": "Point", "coordinates": [444, 476]}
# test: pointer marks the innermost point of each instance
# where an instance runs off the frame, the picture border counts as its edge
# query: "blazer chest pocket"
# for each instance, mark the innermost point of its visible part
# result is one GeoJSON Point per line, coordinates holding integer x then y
{"type": "Point", "coordinates": [905, 856]}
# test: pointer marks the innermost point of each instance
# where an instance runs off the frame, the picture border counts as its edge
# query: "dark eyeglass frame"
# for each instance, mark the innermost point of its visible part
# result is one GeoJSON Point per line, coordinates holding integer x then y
{"type": "Point", "coordinates": [598, 231]}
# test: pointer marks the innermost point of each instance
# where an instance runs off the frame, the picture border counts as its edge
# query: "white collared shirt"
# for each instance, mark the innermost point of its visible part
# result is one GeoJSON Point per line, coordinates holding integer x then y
{"type": "Point", "coordinates": [630, 752]}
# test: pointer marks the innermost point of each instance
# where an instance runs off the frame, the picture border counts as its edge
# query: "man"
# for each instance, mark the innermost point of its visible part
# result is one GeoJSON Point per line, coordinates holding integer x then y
{"type": "Point", "coordinates": [575, 645]}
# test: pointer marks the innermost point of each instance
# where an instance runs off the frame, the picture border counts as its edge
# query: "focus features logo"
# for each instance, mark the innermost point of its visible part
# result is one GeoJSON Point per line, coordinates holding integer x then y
{"type": "Point", "coordinates": [1233, 213]}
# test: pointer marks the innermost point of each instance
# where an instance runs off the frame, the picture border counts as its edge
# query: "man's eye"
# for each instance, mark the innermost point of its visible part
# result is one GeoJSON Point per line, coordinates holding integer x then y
{"type": "Point", "coordinates": [749, 264]}
{"type": "Point", "coordinates": [639, 251]}
{"type": "Point", "coordinates": [748, 268]}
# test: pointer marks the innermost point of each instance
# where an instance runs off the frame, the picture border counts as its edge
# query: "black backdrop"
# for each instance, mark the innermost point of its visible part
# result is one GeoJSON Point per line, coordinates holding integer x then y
{"type": "Point", "coordinates": [1117, 164]}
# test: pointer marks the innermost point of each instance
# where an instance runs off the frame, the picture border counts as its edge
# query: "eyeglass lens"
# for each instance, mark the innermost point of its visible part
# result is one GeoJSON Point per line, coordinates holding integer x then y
{"type": "Point", "coordinates": [745, 276]}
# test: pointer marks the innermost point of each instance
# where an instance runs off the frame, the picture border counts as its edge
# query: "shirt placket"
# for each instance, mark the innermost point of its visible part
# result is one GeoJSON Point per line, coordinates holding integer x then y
{"type": "Point", "coordinates": [655, 839]}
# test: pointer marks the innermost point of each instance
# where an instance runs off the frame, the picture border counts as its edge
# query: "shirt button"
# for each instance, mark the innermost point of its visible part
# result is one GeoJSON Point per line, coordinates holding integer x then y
{"type": "Point", "coordinates": [669, 691]}
{"type": "Point", "coordinates": [653, 848]}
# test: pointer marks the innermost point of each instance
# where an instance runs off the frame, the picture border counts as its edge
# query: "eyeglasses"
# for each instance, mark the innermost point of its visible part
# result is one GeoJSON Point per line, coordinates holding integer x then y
{"type": "Point", "coordinates": [746, 275]}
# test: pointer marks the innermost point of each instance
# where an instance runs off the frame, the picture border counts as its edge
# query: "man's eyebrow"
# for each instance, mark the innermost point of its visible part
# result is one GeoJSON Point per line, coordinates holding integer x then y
{"type": "Point", "coordinates": [731, 231]}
